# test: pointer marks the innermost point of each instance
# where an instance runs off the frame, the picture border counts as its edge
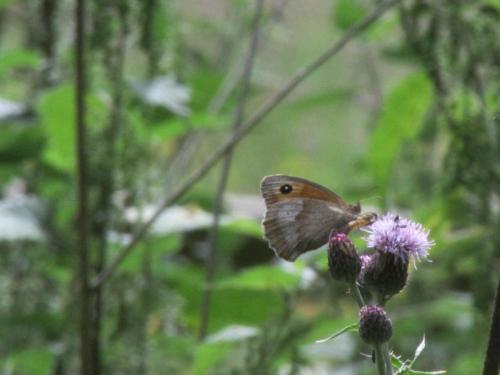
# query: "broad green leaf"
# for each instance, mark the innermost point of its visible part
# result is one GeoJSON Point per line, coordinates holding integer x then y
{"type": "Point", "coordinates": [159, 246]}
{"type": "Point", "coordinates": [208, 355]}
{"type": "Point", "coordinates": [19, 142]}
{"type": "Point", "coordinates": [237, 307]}
{"type": "Point", "coordinates": [32, 361]}
{"type": "Point", "coordinates": [241, 306]}
{"type": "Point", "coordinates": [4, 3]}
{"type": "Point", "coordinates": [493, 3]}
{"type": "Point", "coordinates": [18, 58]}
{"type": "Point", "coordinates": [249, 227]}
{"type": "Point", "coordinates": [401, 119]}
{"type": "Point", "coordinates": [204, 84]}
{"type": "Point", "coordinates": [348, 328]}
{"type": "Point", "coordinates": [169, 129]}
{"type": "Point", "coordinates": [384, 27]}
{"type": "Point", "coordinates": [206, 120]}
{"type": "Point", "coordinates": [177, 127]}
{"type": "Point", "coordinates": [57, 118]}
{"type": "Point", "coordinates": [262, 278]}
{"type": "Point", "coordinates": [348, 12]}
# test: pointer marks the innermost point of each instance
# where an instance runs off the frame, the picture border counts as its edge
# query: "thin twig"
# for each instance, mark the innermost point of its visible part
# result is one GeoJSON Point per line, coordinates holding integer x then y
{"type": "Point", "coordinates": [492, 359]}
{"type": "Point", "coordinates": [238, 118]}
{"type": "Point", "coordinates": [86, 350]}
{"type": "Point", "coordinates": [241, 132]}
{"type": "Point", "coordinates": [107, 181]}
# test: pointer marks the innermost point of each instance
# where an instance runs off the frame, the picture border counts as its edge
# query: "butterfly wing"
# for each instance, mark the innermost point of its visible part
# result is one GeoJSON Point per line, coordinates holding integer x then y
{"type": "Point", "coordinates": [271, 185]}
{"type": "Point", "coordinates": [300, 219]}
{"type": "Point", "coordinates": [299, 225]}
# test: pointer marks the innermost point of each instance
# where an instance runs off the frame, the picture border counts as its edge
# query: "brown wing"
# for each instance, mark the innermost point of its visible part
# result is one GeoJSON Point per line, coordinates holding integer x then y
{"type": "Point", "coordinates": [271, 185]}
{"type": "Point", "coordinates": [297, 225]}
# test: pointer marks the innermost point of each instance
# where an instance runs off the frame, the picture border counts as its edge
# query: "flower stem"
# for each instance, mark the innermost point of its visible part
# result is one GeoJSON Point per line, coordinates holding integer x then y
{"type": "Point", "coordinates": [387, 359]}
{"type": "Point", "coordinates": [357, 294]}
{"type": "Point", "coordinates": [379, 359]}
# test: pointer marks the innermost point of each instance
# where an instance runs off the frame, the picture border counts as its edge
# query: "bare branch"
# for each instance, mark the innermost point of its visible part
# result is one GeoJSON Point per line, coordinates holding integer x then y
{"type": "Point", "coordinates": [242, 131]}
{"type": "Point", "coordinates": [86, 350]}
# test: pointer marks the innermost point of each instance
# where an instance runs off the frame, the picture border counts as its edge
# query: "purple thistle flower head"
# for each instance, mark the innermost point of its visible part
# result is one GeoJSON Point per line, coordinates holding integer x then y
{"type": "Point", "coordinates": [399, 236]}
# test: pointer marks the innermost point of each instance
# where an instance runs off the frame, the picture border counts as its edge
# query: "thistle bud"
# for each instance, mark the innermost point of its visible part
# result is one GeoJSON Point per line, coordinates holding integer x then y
{"type": "Point", "coordinates": [384, 273]}
{"type": "Point", "coordinates": [343, 259]}
{"type": "Point", "coordinates": [375, 327]}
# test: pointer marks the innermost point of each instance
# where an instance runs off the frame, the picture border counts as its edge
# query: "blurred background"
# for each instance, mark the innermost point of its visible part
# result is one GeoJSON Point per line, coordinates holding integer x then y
{"type": "Point", "coordinates": [404, 119]}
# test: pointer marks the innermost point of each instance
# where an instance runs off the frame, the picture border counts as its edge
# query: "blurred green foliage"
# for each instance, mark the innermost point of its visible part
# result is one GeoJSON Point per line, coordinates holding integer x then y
{"type": "Point", "coordinates": [405, 119]}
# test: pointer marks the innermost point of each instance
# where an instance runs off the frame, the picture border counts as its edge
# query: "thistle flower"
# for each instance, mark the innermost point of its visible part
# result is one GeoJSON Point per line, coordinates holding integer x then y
{"type": "Point", "coordinates": [399, 236]}
{"type": "Point", "coordinates": [395, 240]}
{"type": "Point", "coordinates": [343, 259]}
{"type": "Point", "coordinates": [375, 327]}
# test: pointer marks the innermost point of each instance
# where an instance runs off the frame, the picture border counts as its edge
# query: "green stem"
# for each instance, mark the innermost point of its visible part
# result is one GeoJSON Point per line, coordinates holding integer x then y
{"type": "Point", "coordinates": [379, 359]}
{"type": "Point", "coordinates": [357, 295]}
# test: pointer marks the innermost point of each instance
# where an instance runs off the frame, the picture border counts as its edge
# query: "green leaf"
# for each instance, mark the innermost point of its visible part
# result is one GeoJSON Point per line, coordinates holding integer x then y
{"type": "Point", "coordinates": [57, 118]}
{"type": "Point", "coordinates": [401, 119]}
{"type": "Point", "coordinates": [384, 28]}
{"type": "Point", "coordinates": [178, 127]}
{"type": "Point", "coordinates": [20, 142]}
{"type": "Point", "coordinates": [169, 129]}
{"type": "Point", "coordinates": [160, 247]}
{"type": "Point", "coordinates": [262, 278]}
{"type": "Point", "coordinates": [244, 226]}
{"type": "Point", "coordinates": [348, 328]}
{"type": "Point", "coordinates": [4, 3]}
{"type": "Point", "coordinates": [208, 355]}
{"type": "Point", "coordinates": [493, 3]}
{"type": "Point", "coordinates": [207, 120]}
{"type": "Point", "coordinates": [32, 361]}
{"type": "Point", "coordinates": [348, 12]}
{"type": "Point", "coordinates": [18, 58]}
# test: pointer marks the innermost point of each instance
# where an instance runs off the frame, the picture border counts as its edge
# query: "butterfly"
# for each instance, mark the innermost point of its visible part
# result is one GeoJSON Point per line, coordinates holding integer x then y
{"type": "Point", "coordinates": [300, 215]}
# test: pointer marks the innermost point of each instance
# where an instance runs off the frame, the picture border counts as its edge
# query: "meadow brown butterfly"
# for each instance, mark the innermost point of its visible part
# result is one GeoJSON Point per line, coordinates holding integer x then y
{"type": "Point", "coordinates": [300, 215]}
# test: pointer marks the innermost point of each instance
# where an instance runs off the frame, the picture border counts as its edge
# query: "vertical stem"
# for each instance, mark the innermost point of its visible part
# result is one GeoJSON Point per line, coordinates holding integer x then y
{"type": "Point", "coordinates": [379, 359]}
{"type": "Point", "coordinates": [245, 85]}
{"type": "Point", "coordinates": [102, 219]}
{"type": "Point", "coordinates": [86, 365]}
{"type": "Point", "coordinates": [492, 359]}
